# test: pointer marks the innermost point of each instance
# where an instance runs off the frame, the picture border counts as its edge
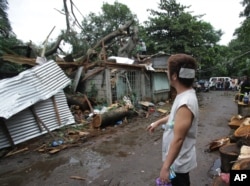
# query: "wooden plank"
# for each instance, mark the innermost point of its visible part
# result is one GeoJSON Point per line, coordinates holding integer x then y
{"type": "Point", "coordinates": [16, 152]}
{"type": "Point", "coordinates": [56, 110]}
{"type": "Point", "coordinates": [40, 121]}
{"type": "Point", "coordinates": [162, 111]}
{"type": "Point", "coordinates": [89, 104]}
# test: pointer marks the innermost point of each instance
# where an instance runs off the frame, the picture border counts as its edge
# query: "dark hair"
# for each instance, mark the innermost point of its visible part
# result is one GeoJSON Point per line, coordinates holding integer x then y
{"type": "Point", "coordinates": [178, 61]}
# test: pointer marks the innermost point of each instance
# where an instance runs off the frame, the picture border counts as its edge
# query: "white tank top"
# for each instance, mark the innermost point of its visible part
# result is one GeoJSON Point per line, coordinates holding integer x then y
{"type": "Point", "coordinates": [186, 159]}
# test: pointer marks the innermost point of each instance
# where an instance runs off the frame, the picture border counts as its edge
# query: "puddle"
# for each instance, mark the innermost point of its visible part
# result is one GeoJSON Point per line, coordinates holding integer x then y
{"type": "Point", "coordinates": [41, 169]}
{"type": "Point", "coordinates": [94, 163]}
{"type": "Point", "coordinates": [83, 162]}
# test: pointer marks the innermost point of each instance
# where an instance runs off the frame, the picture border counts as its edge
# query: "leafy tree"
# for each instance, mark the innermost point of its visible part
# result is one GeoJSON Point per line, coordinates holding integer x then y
{"type": "Point", "coordinates": [246, 11]}
{"type": "Point", "coordinates": [239, 47]}
{"type": "Point", "coordinates": [96, 26]}
{"type": "Point", "coordinates": [178, 31]}
{"type": "Point", "coordinates": [7, 41]}
{"type": "Point", "coordinates": [174, 30]}
{"type": "Point", "coordinates": [5, 27]}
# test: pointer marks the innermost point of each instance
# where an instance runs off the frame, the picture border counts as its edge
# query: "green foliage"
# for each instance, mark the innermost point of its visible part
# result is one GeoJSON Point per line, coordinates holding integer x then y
{"type": "Point", "coordinates": [5, 27]}
{"type": "Point", "coordinates": [246, 11]}
{"type": "Point", "coordinates": [7, 40]}
{"type": "Point", "coordinates": [239, 47]}
{"type": "Point", "coordinates": [174, 30]}
{"type": "Point", "coordinates": [97, 26]}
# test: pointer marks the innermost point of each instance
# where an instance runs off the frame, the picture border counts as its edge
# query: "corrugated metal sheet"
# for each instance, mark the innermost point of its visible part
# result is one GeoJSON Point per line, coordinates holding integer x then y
{"type": "Point", "coordinates": [23, 126]}
{"type": "Point", "coordinates": [40, 87]}
{"type": "Point", "coordinates": [29, 87]}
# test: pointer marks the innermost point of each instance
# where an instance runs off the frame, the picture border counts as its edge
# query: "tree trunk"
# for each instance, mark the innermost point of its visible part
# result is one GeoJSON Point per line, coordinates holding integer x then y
{"type": "Point", "coordinates": [127, 48]}
{"type": "Point", "coordinates": [106, 39]}
{"type": "Point", "coordinates": [111, 117]}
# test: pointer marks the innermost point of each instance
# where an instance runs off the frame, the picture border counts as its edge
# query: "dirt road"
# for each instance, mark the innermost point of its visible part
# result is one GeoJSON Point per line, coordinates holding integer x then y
{"type": "Point", "coordinates": [121, 155]}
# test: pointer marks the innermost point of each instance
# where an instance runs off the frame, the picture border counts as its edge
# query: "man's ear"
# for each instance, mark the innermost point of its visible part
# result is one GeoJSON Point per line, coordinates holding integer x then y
{"type": "Point", "coordinates": [174, 76]}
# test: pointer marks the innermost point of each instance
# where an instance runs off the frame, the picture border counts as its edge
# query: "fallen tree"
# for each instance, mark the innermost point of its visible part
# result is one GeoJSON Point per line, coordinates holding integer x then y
{"type": "Point", "coordinates": [111, 117]}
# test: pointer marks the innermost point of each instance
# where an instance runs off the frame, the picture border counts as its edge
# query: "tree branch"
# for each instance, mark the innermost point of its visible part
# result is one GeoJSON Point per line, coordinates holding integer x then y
{"type": "Point", "coordinates": [72, 11]}
{"type": "Point", "coordinates": [66, 15]}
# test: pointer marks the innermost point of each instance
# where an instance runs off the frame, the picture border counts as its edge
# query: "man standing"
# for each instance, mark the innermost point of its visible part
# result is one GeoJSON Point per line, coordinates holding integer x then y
{"type": "Point", "coordinates": [179, 137]}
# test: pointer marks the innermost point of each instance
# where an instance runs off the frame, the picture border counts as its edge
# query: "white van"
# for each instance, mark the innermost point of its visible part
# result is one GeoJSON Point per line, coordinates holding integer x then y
{"type": "Point", "coordinates": [213, 82]}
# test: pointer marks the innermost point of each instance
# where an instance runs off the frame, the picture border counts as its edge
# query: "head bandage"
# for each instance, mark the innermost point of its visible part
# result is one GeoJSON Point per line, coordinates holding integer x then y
{"type": "Point", "coordinates": [187, 73]}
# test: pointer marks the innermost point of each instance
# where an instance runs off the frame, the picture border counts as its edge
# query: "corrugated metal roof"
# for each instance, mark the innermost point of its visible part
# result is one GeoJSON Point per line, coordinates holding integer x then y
{"type": "Point", "coordinates": [29, 87]}
{"type": "Point", "coordinates": [23, 125]}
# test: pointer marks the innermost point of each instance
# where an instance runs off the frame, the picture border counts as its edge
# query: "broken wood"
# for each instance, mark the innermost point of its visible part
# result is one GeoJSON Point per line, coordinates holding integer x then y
{"type": "Point", "coordinates": [61, 147]}
{"type": "Point", "coordinates": [16, 152]}
{"type": "Point", "coordinates": [97, 121]}
{"type": "Point", "coordinates": [54, 47]}
{"type": "Point", "coordinates": [40, 148]}
{"type": "Point", "coordinates": [217, 143]}
{"type": "Point", "coordinates": [162, 111]}
{"type": "Point", "coordinates": [32, 61]}
{"type": "Point", "coordinates": [19, 60]}
{"type": "Point", "coordinates": [89, 104]}
{"type": "Point", "coordinates": [40, 122]}
{"type": "Point", "coordinates": [56, 110]}
{"type": "Point", "coordinates": [120, 31]}
{"type": "Point", "coordinates": [94, 73]}
{"type": "Point", "coordinates": [45, 43]}
{"type": "Point", "coordinates": [53, 151]}
{"type": "Point", "coordinates": [106, 39]}
{"type": "Point", "coordinates": [77, 178]}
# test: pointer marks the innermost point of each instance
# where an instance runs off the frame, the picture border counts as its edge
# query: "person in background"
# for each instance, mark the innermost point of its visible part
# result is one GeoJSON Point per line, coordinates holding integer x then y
{"type": "Point", "coordinates": [180, 126]}
{"type": "Point", "coordinates": [244, 87]}
{"type": "Point", "coordinates": [226, 87]}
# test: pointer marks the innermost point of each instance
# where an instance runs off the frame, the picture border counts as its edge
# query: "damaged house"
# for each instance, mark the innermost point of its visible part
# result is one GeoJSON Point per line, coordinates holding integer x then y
{"type": "Point", "coordinates": [125, 77]}
{"type": "Point", "coordinates": [34, 102]}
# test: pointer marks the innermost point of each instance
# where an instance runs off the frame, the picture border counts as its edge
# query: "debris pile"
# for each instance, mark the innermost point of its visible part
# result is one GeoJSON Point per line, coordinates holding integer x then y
{"type": "Point", "coordinates": [234, 149]}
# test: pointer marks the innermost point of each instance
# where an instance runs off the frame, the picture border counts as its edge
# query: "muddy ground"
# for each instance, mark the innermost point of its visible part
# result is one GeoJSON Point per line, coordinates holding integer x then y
{"type": "Point", "coordinates": [120, 155]}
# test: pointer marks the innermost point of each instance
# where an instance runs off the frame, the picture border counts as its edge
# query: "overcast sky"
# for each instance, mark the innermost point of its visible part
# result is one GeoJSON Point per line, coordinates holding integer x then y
{"type": "Point", "coordinates": [34, 19]}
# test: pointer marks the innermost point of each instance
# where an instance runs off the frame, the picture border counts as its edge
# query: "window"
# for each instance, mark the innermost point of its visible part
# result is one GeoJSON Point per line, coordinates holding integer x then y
{"type": "Point", "coordinates": [161, 81]}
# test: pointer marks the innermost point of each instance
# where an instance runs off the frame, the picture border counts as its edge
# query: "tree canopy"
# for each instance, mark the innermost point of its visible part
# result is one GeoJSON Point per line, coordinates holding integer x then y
{"type": "Point", "coordinates": [171, 29]}
{"type": "Point", "coordinates": [239, 47]}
